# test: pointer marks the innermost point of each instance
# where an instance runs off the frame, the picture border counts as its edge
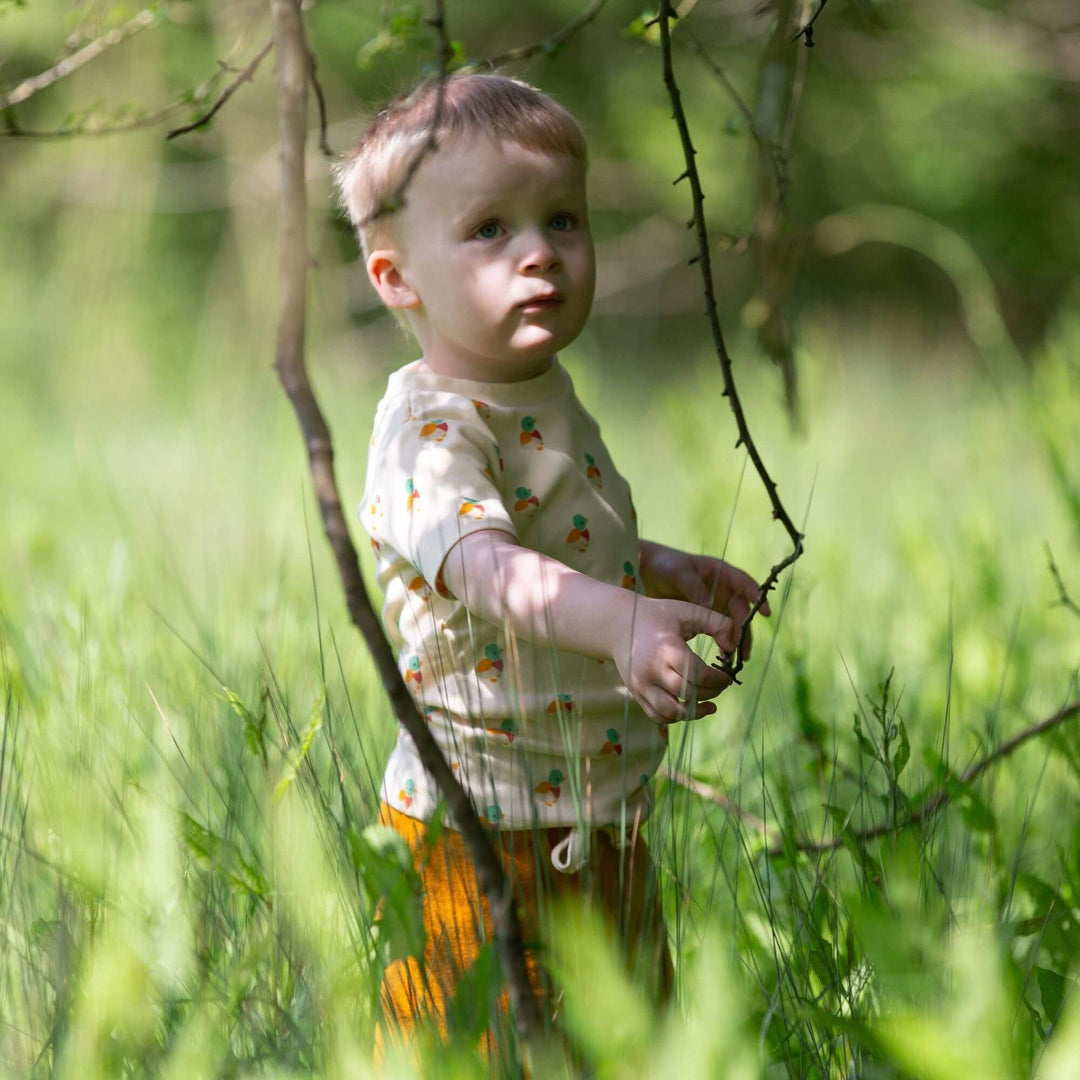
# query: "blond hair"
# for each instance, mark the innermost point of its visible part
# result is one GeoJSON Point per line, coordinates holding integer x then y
{"type": "Point", "coordinates": [370, 175]}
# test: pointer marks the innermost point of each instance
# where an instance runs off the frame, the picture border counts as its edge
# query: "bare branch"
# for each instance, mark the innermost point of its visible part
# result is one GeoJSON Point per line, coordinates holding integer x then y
{"type": "Point", "coordinates": [446, 54]}
{"type": "Point", "coordinates": [547, 45]}
{"type": "Point", "coordinates": [293, 69]}
{"type": "Point", "coordinates": [765, 145]}
{"type": "Point", "coordinates": [83, 126]}
{"type": "Point", "coordinates": [714, 795]}
{"type": "Point", "coordinates": [313, 77]}
{"type": "Point", "coordinates": [807, 31]}
{"type": "Point", "coordinates": [734, 666]}
{"type": "Point", "coordinates": [778, 847]}
{"type": "Point", "coordinates": [1064, 599]}
{"type": "Point", "coordinates": [245, 76]}
{"type": "Point", "coordinates": [62, 68]}
{"type": "Point", "coordinates": [12, 129]}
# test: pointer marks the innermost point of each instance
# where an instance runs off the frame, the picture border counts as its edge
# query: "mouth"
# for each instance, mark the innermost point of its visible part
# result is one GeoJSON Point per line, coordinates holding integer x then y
{"type": "Point", "coordinates": [536, 305]}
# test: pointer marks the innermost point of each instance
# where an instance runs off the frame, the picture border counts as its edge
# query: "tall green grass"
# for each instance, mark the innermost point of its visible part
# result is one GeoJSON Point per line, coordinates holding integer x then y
{"type": "Point", "coordinates": [193, 736]}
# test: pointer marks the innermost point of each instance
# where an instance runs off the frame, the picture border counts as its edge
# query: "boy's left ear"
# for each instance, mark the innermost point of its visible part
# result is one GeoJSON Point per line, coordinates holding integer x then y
{"type": "Point", "coordinates": [385, 275]}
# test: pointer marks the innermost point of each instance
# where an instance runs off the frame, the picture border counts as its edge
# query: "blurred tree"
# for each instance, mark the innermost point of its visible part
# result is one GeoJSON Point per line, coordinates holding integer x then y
{"type": "Point", "coordinates": [963, 111]}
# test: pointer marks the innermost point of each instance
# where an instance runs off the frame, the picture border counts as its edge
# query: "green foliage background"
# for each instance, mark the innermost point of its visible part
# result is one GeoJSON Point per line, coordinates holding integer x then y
{"type": "Point", "coordinates": [192, 734]}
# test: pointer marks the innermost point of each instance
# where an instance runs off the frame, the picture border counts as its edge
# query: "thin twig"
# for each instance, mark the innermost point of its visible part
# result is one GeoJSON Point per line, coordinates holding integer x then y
{"type": "Point", "coordinates": [734, 666]}
{"type": "Point", "coordinates": [245, 76]}
{"type": "Point", "coordinates": [917, 816]}
{"type": "Point", "coordinates": [446, 53]}
{"type": "Point", "coordinates": [292, 79]}
{"type": "Point", "coordinates": [801, 64]}
{"type": "Point", "coordinates": [807, 31]}
{"type": "Point", "coordinates": [765, 144]}
{"type": "Point", "coordinates": [707, 791]}
{"type": "Point", "coordinates": [313, 77]}
{"type": "Point", "coordinates": [547, 45]}
{"type": "Point", "coordinates": [62, 68]}
{"type": "Point", "coordinates": [1064, 599]}
{"type": "Point", "coordinates": [12, 129]}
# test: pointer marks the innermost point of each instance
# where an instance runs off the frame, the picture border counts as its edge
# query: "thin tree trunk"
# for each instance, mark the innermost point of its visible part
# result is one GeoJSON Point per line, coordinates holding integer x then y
{"type": "Point", "coordinates": [292, 72]}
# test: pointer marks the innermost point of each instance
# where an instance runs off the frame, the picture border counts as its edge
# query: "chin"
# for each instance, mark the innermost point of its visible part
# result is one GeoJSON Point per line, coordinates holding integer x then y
{"type": "Point", "coordinates": [538, 342]}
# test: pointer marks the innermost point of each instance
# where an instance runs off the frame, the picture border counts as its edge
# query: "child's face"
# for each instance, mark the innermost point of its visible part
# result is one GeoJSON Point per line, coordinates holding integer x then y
{"type": "Point", "coordinates": [493, 260]}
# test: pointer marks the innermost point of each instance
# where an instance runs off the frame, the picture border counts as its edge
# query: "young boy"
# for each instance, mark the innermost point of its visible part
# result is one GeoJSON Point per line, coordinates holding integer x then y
{"type": "Point", "coordinates": [545, 643]}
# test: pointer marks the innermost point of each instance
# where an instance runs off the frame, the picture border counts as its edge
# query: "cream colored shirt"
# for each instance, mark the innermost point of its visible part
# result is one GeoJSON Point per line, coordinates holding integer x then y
{"type": "Point", "coordinates": [537, 737]}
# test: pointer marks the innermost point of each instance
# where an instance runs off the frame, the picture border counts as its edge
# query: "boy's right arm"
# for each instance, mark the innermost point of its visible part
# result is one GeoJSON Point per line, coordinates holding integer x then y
{"type": "Point", "coordinates": [542, 600]}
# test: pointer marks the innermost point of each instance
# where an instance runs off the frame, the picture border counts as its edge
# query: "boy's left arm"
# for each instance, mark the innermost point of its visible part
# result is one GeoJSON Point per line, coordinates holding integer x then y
{"type": "Point", "coordinates": [702, 579]}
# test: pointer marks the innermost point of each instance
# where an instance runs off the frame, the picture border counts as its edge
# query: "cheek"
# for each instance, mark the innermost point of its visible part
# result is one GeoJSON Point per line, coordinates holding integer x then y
{"type": "Point", "coordinates": [487, 286]}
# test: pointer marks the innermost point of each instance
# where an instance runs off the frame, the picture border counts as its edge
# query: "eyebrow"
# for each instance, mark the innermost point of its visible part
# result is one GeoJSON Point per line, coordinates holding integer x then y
{"type": "Point", "coordinates": [485, 203]}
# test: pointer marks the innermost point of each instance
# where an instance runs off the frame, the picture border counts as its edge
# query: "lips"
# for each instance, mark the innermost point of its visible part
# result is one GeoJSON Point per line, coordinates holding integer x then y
{"type": "Point", "coordinates": [541, 302]}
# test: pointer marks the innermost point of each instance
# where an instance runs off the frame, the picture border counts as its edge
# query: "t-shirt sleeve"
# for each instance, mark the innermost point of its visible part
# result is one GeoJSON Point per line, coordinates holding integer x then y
{"type": "Point", "coordinates": [435, 479]}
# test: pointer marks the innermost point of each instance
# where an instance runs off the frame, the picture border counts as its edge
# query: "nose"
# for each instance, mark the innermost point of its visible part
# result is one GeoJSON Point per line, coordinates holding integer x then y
{"type": "Point", "coordinates": [540, 257]}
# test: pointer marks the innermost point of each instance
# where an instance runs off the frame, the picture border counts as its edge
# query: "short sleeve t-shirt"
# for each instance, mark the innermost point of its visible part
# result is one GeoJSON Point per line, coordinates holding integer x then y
{"type": "Point", "coordinates": [538, 737]}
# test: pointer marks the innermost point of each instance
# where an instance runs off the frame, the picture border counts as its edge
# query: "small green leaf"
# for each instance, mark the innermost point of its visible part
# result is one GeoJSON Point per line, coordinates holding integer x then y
{"type": "Point", "coordinates": [222, 855]}
{"type": "Point", "coordinates": [903, 752]}
{"type": "Point", "coordinates": [296, 759]}
{"type": "Point", "coordinates": [1053, 988]}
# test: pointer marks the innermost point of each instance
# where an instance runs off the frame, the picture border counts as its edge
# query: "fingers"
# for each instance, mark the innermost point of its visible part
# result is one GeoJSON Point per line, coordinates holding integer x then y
{"type": "Point", "coordinates": [663, 701]}
{"type": "Point", "coordinates": [693, 677]}
{"type": "Point", "coordinates": [664, 708]}
{"type": "Point", "coordinates": [738, 587]}
{"type": "Point", "coordinates": [697, 619]}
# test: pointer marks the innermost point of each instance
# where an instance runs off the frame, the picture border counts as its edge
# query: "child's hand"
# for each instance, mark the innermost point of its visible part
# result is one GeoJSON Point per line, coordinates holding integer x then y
{"type": "Point", "coordinates": [658, 666]}
{"type": "Point", "coordinates": [701, 579]}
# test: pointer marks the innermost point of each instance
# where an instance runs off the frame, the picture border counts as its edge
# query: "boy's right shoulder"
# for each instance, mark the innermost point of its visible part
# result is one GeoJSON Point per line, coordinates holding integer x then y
{"type": "Point", "coordinates": [410, 397]}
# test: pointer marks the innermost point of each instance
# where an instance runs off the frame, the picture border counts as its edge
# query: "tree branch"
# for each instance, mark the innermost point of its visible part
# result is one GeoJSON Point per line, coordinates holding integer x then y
{"type": "Point", "coordinates": [807, 31]}
{"type": "Point", "coordinates": [734, 666]}
{"type": "Point", "coordinates": [446, 53]}
{"type": "Point", "coordinates": [313, 78]}
{"type": "Point", "coordinates": [292, 79]}
{"type": "Point", "coordinates": [765, 145]}
{"type": "Point", "coordinates": [245, 76]}
{"type": "Point", "coordinates": [1064, 599]}
{"type": "Point", "coordinates": [62, 68]}
{"type": "Point", "coordinates": [938, 802]}
{"type": "Point", "coordinates": [547, 45]}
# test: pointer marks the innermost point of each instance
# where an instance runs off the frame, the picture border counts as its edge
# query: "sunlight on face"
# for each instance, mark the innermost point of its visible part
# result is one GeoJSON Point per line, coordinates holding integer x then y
{"type": "Point", "coordinates": [494, 241]}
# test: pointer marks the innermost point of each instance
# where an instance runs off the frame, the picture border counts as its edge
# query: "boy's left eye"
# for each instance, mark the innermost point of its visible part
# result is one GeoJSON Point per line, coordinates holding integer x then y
{"type": "Point", "coordinates": [561, 223]}
{"type": "Point", "coordinates": [488, 231]}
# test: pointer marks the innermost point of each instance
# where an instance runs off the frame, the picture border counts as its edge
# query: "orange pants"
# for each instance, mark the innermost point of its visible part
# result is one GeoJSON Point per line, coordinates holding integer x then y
{"type": "Point", "coordinates": [452, 901]}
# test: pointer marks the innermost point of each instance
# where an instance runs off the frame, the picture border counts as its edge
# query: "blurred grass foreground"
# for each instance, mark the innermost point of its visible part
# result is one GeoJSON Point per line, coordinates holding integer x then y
{"type": "Point", "coordinates": [193, 735]}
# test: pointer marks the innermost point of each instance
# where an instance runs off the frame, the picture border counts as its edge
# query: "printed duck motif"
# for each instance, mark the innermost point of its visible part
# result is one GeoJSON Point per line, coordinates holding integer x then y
{"type": "Point", "coordinates": [413, 673]}
{"type": "Point", "coordinates": [471, 508]}
{"type": "Point", "coordinates": [482, 408]}
{"type": "Point", "coordinates": [592, 472]}
{"type": "Point", "coordinates": [505, 728]}
{"type": "Point", "coordinates": [493, 814]}
{"type": "Point", "coordinates": [412, 496]}
{"type": "Point", "coordinates": [565, 702]}
{"type": "Point", "coordinates": [407, 793]}
{"type": "Point", "coordinates": [435, 430]}
{"type": "Point", "coordinates": [524, 498]}
{"type": "Point", "coordinates": [551, 788]}
{"type": "Point", "coordinates": [491, 663]}
{"type": "Point", "coordinates": [579, 535]}
{"type": "Point", "coordinates": [629, 580]}
{"type": "Point", "coordinates": [612, 746]}
{"type": "Point", "coordinates": [530, 433]}
{"type": "Point", "coordinates": [419, 585]}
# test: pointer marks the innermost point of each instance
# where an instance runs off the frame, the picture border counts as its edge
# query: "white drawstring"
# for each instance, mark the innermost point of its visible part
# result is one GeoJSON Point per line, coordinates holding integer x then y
{"type": "Point", "coordinates": [569, 855]}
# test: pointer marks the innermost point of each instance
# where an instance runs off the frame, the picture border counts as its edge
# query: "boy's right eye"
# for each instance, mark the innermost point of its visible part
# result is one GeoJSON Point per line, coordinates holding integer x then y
{"type": "Point", "coordinates": [488, 231]}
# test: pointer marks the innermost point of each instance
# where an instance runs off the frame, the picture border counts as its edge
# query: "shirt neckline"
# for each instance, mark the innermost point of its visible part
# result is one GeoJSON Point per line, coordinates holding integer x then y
{"type": "Point", "coordinates": [547, 384]}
